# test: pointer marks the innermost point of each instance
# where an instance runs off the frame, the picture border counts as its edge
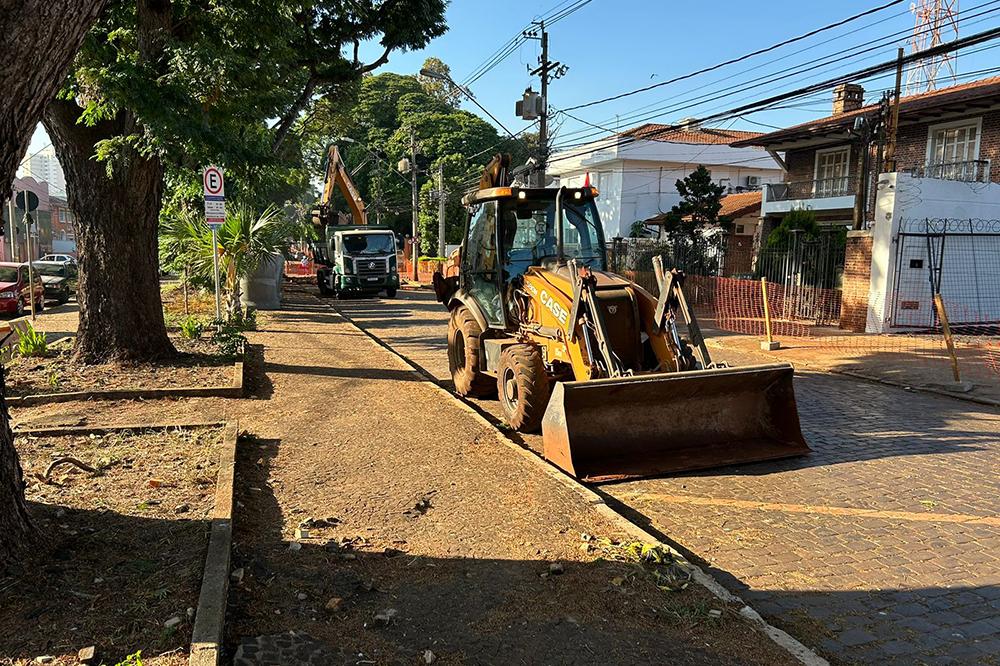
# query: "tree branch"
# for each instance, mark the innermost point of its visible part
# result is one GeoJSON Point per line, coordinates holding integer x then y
{"type": "Point", "coordinates": [285, 124]}
{"type": "Point", "coordinates": [384, 58]}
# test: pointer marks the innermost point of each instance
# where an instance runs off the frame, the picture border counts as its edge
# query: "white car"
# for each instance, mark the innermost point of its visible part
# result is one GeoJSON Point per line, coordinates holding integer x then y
{"type": "Point", "coordinates": [61, 258]}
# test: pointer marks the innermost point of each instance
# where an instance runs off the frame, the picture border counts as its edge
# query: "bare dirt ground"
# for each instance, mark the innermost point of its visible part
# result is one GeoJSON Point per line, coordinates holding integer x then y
{"type": "Point", "coordinates": [122, 548]}
{"type": "Point", "coordinates": [199, 363]}
{"type": "Point", "coordinates": [435, 519]}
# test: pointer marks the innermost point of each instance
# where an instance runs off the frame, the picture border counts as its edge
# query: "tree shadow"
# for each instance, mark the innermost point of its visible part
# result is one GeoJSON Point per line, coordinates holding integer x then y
{"type": "Point", "coordinates": [344, 373]}
{"type": "Point", "coordinates": [102, 578]}
{"type": "Point", "coordinates": [258, 384]}
{"type": "Point", "coordinates": [332, 586]}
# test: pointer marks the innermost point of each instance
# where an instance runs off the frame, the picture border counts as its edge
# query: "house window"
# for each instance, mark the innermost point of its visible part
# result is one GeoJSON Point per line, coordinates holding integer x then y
{"type": "Point", "coordinates": [832, 167]}
{"type": "Point", "coordinates": [739, 228]}
{"type": "Point", "coordinates": [951, 146]}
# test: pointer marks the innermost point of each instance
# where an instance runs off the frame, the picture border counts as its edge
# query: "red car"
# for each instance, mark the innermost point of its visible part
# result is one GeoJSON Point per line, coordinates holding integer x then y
{"type": "Point", "coordinates": [14, 292]}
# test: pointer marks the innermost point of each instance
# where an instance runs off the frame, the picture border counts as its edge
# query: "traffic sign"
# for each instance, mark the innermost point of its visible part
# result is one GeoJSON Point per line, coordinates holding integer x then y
{"type": "Point", "coordinates": [215, 196]}
{"type": "Point", "coordinates": [32, 200]}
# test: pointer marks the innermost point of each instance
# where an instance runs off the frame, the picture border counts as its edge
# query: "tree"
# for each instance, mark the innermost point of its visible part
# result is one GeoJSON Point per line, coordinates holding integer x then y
{"type": "Point", "coordinates": [444, 91]}
{"type": "Point", "coordinates": [38, 41]}
{"type": "Point", "coordinates": [167, 85]}
{"type": "Point", "coordinates": [694, 226]}
{"type": "Point", "coordinates": [798, 220]}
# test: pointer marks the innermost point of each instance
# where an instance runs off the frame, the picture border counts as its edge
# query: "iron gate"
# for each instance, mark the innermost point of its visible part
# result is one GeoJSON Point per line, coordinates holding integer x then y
{"type": "Point", "coordinates": [957, 258]}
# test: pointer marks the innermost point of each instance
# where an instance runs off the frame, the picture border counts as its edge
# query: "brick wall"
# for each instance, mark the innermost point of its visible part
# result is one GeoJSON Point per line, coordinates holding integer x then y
{"type": "Point", "coordinates": [801, 164]}
{"type": "Point", "coordinates": [857, 279]}
{"type": "Point", "coordinates": [911, 144]}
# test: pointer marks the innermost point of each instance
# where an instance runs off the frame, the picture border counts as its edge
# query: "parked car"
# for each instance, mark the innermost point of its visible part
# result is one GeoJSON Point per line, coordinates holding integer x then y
{"type": "Point", "coordinates": [58, 279]}
{"type": "Point", "coordinates": [63, 258]}
{"type": "Point", "coordinates": [15, 294]}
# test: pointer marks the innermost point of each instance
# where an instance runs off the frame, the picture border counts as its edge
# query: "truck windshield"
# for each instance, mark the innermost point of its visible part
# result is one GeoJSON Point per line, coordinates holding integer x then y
{"type": "Point", "coordinates": [529, 233]}
{"type": "Point", "coordinates": [369, 244]}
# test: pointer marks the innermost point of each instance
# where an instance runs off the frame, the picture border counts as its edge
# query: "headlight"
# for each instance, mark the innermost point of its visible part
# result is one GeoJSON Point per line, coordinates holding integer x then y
{"type": "Point", "coordinates": [8, 294]}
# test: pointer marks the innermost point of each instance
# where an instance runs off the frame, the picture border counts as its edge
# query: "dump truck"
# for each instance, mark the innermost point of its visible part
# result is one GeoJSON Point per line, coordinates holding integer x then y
{"type": "Point", "coordinates": [619, 381]}
{"type": "Point", "coordinates": [351, 256]}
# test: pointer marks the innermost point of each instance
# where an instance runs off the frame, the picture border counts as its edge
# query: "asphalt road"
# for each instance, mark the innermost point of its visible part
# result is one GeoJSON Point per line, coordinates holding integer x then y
{"type": "Point", "coordinates": [882, 545]}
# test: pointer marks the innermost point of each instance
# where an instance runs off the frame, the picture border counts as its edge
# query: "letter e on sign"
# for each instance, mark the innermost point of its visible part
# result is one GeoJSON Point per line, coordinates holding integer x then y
{"type": "Point", "coordinates": [214, 183]}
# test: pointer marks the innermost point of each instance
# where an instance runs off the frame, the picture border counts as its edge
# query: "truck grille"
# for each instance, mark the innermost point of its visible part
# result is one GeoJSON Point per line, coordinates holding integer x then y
{"type": "Point", "coordinates": [377, 266]}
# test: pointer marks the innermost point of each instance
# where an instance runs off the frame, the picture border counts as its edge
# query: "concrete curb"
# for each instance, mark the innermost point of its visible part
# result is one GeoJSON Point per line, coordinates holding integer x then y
{"type": "Point", "coordinates": [60, 431]}
{"type": "Point", "coordinates": [234, 390]}
{"type": "Point", "coordinates": [210, 617]}
{"type": "Point", "coordinates": [596, 501]}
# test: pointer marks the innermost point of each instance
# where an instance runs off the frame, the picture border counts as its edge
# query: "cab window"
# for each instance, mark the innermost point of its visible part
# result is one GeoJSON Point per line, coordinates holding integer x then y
{"type": "Point", "coordinates": [481, 264]}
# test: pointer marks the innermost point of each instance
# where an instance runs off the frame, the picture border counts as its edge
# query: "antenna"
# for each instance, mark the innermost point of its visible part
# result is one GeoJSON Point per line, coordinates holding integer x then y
{"type": "Point", "coordinates": [934, 19]}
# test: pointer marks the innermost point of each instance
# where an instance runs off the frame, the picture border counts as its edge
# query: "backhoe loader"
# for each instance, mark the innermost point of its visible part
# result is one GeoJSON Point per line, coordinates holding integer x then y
{"type": "Point", "coordinates": [594, 360]}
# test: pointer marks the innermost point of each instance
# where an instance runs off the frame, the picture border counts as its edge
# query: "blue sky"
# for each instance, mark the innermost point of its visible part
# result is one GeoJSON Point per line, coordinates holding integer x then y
{"type": "Point", "coordinates": [612, 46]}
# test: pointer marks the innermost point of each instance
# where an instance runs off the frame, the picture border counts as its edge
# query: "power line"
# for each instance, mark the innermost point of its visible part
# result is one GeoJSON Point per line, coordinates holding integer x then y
{"type": "Point", "coordinates": [740, 58]}
{"type": "Point", "coordinates": [811, 65]}
{"type": "Point", "coordinates": [867, 72]}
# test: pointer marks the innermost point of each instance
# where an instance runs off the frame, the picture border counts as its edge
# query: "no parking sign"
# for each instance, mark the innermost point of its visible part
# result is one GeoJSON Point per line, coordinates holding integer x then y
{"type": "Point", "coordinates": [215, 196]}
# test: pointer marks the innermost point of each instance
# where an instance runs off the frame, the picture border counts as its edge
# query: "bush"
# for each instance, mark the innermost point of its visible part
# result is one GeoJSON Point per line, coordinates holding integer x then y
{"type": "Point", "coordinates": [796, 220]}
{"type": "Point", "coordinates": [32, 342]}
{"type": "Point", "coordinates": [229, 339]}
{"type": "Point", "coordinates": [191, 328]}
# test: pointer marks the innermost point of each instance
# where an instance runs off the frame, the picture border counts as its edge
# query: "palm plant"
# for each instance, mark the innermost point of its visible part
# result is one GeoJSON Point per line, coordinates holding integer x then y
{"type": "Point", "coordinates": [179, 237]}
{"type": "Point", "coordinates": [246, 240]}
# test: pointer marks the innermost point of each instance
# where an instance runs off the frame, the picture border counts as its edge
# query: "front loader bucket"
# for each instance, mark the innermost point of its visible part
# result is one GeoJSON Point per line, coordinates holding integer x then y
{"type": "Point", "coordinates": [608, 429]}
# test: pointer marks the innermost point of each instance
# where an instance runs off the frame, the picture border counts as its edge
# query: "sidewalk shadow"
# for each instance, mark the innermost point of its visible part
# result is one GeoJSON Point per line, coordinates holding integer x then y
{"type": "Point", "coordinates": [258, 384]}
{"type": "Point", "coordinates": [101, 578]}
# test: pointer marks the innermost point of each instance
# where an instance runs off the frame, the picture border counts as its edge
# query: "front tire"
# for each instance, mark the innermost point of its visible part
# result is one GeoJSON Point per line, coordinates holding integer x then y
{"type": "Point", "coordinates": [19, 312]}
{"type": "Point", "coordinates": [523, 385]}
{"type": "Point", "coordinates": [465, 349]}
{"type": "Point", "coordinates": [390, 293]}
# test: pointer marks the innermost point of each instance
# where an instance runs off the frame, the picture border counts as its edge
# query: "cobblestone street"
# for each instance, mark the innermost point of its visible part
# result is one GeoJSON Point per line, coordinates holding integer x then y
{"type": "Point", "coordinates": [884, 544]}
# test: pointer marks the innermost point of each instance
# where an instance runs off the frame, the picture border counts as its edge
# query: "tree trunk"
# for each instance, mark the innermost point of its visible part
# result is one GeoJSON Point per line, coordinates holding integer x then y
{"type": "Point", "coordinates": [117, 215]}
{"type": "Point", "coordinates": [38, 40]}
{"type": "Point", "coordinates": [15, 527]}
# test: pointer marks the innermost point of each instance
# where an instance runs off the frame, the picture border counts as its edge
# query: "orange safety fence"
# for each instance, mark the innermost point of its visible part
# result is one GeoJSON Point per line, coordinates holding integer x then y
{"type": "Point", "coordinates": [808, 322]}
{"type": "Point", "coordinates": [299, 269]}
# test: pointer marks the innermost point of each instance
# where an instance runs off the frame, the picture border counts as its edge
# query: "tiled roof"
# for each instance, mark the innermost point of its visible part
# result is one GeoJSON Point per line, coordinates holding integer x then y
{"type": "Point", "coordinates": [736, 205]}
{"type": "Point", "coordinates": [697, 135]}
{"type": "Point", "coordinates": [909, 104]}
{"type": "Point", "coordinates": [740, 204]}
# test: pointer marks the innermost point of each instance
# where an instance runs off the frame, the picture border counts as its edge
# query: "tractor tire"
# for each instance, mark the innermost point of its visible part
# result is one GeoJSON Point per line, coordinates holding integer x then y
{"type": "Point", "coordinates": [523, 385]}
{"type": "Point", "coordinates": [464, 353]}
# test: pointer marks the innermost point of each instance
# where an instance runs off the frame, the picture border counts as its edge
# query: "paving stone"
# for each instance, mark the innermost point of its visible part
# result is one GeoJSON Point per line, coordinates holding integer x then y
{"type": "Point", "coordinates": [853, 637]}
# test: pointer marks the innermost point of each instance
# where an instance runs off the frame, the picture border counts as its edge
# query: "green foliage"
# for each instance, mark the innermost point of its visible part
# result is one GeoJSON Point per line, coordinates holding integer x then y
{"type": "Point", "coordinates": [229, 339]}
{"type": "Point", "coordinates": [132, 660]}
{"type": "Point", "coordinates": [53, 378]}
{"type": "Point", "coordinates": [32, 342]}
{"type": "Point", "coordinates": [244, 321]}
{"type": "Point", "coordinates": [799, 220]}
{"type": "Point", "coordinates": [701, 201]}
{"type": "Point", "coordinates": [191, 328]}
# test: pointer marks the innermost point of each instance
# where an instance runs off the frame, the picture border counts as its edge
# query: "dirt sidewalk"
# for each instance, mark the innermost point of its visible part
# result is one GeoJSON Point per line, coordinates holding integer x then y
{"type": "Point", "coordinates": [430, 540]}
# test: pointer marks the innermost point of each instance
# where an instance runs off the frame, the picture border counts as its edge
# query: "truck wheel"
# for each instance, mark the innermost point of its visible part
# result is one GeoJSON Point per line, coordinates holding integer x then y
{"type": "Point", "coordinates": [390, 292]}
{"type": "Point", "coordinates": [523, 385]}
{"type": "Point", "coordinates": [464, 354]}
{"type": "Point", "coordinates": [321, 283]}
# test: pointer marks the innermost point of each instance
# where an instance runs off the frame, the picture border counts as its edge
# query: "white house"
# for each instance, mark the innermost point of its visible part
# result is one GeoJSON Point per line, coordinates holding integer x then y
{"type": "Point", "coordinates": [636, 171]}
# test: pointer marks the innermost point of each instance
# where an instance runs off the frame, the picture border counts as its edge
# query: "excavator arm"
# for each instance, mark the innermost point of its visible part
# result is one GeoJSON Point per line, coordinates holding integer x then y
{"type": "Point", "coordinates": [338, 176]}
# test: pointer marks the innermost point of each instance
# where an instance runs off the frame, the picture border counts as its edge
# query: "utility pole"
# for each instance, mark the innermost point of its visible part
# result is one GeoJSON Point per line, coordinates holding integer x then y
{"type": "Point", "coordinates": [442, 200]}
{"type": "Point", "coordinates": [13, 227]}
{"type": "Point", "coordinates": [414, 171]}
{"type": "Point", "coordinates": [547, 71]}
{"type": "Point", "coordinates": [890, 147]}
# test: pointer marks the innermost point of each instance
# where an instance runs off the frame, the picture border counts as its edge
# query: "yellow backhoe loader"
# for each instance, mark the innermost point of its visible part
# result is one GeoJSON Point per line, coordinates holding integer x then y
{"type": "Point", "coordinates": [594, 360]}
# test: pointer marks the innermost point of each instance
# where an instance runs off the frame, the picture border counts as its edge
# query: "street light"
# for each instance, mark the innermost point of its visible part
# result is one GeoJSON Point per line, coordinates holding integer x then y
{"type": "Point", "coordinates": [441, 76]}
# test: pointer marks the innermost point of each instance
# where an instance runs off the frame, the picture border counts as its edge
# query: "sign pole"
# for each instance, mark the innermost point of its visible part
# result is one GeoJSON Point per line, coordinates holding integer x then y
{"type": "Point", "coordinates": [215, 268]}
{"type": "Point", "coordinates": [31, 273]}
{"type": "Point", "coordinates": [215, 215]}
{"type": "Point", "coordinates": [13, 229]}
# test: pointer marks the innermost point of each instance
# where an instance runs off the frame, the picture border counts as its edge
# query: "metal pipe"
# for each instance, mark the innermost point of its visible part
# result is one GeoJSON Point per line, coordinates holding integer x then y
{"type": "Point", "coordinates": [560, 259]}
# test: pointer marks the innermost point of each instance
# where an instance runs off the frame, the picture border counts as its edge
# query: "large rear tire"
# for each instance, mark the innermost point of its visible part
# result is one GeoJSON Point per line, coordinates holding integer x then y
{"type": "Point", "coordinates": [523, 385]}
{"type": "Point", "coordinates": [465, 351]}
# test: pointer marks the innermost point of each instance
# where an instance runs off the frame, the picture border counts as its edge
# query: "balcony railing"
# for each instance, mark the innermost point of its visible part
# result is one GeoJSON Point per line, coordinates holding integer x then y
{"type": "Point", "coordinates": [811, 189]}
{"type": "Point", "coordinates": [971, 171]}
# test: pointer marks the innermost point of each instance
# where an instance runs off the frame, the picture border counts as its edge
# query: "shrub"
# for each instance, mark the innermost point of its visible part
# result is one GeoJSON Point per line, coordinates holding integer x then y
{"type": "Point", "coordinates": [32, 342]}
{"type": "Point", "coordinates": [191, 328]}
{"type": "Point", "coordinates": [229, 339]}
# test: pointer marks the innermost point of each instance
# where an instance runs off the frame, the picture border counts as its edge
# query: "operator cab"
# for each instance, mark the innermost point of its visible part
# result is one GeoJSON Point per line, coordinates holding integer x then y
{"type": "Point", "coordinates": [511, 229]}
